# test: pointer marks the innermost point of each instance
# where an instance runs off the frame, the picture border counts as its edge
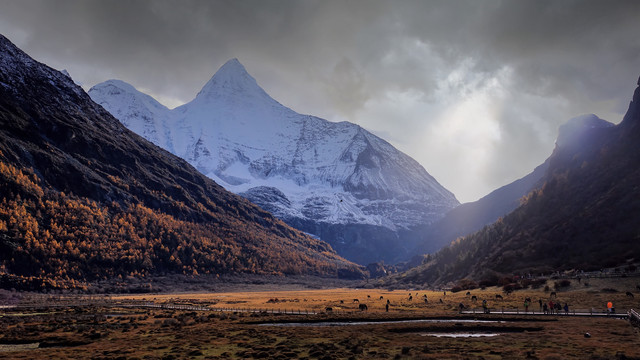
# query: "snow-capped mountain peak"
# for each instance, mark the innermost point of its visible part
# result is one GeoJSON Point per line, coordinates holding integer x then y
{"type": "Point", "coordinates": [231, 80]}
{"type": "Point", "coordinates": [118, 87]}
{"type": "Point", "coordinates": [316, 175]}
{"type": "Point", "coordinates": [137, 111]}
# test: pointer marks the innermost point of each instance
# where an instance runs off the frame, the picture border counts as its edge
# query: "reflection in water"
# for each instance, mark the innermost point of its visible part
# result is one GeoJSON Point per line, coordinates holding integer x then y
{"type": "Point", "coordinates": [457, 335]}
{"type": "Point", "coordinates": [354, 323]}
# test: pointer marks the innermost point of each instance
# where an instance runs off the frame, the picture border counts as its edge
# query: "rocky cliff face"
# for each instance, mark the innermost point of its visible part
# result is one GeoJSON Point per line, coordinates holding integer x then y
{"type": "Point", "coordinates": [336, 181]}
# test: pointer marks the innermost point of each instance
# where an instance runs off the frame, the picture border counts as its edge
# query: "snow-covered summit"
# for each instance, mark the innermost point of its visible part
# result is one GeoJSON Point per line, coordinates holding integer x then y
{"type": "Point", "coordinates": [139, 112]}
{"type": "Point", "coordinates": [312, 173]}
{"type": "Point", "coordinates": [231, 80]}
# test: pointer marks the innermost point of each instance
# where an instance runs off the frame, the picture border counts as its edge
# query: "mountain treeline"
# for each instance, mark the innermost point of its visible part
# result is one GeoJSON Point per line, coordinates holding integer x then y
{"type": "Point", "coordinates": [49, 239]}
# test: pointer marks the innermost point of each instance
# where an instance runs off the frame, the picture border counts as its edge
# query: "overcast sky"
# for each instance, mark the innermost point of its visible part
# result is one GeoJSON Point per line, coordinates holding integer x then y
{"type": "Point", "coordinates": [473, 90]}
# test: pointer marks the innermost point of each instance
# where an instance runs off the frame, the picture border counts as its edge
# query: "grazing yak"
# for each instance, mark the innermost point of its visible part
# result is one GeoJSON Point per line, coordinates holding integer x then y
{"type": "Point", "coordinates": [363, 307]}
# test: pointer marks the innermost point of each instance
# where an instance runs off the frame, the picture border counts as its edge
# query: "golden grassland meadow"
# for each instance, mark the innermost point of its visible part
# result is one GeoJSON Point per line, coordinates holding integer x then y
{"type": "Point", "coordinates": [259, 323]}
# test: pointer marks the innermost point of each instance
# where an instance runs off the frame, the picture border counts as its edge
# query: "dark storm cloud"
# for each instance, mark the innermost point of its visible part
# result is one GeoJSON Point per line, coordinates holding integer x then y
{"type": "Point", "coordinates": [157, 43]}
{"type": "Point", "coordinates": [554, 46]}
{"type": "Point", "coordinates": [398, 68]}
{"type": "Point", "coordinates": [583, 54]}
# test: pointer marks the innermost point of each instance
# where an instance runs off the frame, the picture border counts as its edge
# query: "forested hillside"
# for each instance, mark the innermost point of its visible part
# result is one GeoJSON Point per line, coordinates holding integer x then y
{"type": "Point", "coordinates": [83, 198]}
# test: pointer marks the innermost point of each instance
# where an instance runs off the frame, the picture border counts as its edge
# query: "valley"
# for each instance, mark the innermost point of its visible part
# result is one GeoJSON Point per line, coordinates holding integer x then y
{"type": "Point", "coordinates": [184, 212]}
{"type": "Point", "coordinates": [107, 327]}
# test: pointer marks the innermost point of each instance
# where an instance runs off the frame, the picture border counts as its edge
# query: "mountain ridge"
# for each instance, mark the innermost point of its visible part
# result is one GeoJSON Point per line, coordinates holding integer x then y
{"type": "Point", "coordinates": [473, 216]}
{"type": "Point", "coordinates": [583, 217]}
{"type": "Point", "coordinates": [331, 174]}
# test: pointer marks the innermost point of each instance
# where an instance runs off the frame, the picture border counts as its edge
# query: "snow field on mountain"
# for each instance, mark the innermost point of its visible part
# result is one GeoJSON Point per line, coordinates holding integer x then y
{"type": "Point", "coordinates": [236, 134]}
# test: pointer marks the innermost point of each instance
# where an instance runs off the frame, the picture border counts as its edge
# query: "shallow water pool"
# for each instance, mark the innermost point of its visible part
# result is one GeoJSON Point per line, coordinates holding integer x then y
{"type": "Point", "coordinates": [459, 335]}
{"type": "Point", "coordinates": [357, 323]}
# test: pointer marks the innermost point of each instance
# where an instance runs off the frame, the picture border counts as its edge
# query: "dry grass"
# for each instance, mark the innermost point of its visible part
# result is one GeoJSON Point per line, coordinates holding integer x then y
{"type": "Point", "coordinates": [577, 296]}
{"type": "Point", "coordinates": [156, 334]}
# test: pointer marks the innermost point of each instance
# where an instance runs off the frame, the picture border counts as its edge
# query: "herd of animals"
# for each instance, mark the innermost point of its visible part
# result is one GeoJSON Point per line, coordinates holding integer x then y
{"type": "Point", "coordinates": [473, 298]}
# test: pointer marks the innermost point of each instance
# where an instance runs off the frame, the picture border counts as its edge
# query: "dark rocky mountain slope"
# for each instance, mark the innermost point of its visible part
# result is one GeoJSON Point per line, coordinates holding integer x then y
{"type": "Point", "coordinates": [83, 198]}
{"type": "Point", "coordinates": [473, 216]}
{"type": "Point", "coordinates": [470, 217]}
{"type": "Point", "coordinates": [585, 216]}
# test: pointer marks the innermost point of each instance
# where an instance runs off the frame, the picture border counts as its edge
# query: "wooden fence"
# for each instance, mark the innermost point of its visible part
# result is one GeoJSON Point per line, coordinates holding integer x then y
{"type": "Point", "coordinates": [219, 309]}
{"type": "Point", "coordinates": [572, 312]}
{"type": "Point", "coordinates": [152, 305]}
